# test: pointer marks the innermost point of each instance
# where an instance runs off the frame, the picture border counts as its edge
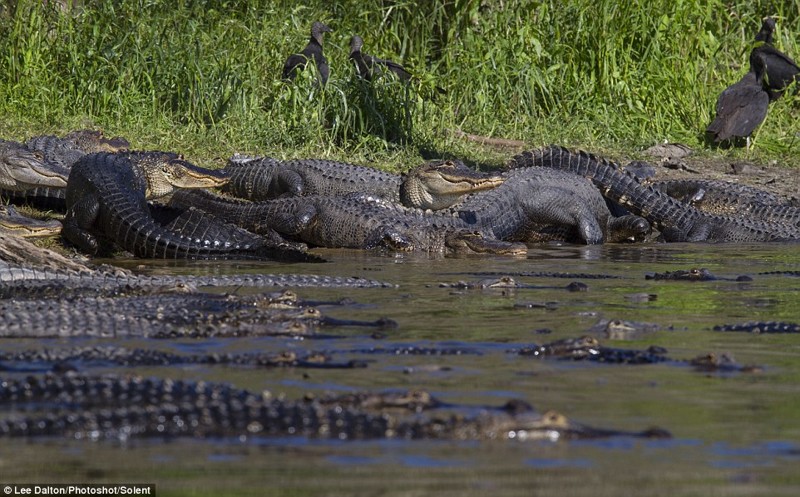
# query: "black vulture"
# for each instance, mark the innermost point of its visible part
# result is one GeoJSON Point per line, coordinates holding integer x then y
{"type": "Point", "coordinates": [313, 52]}
{"type": "Point", "coordinates": [369, 66]}
{"type": "Point", "coordinates": [740, 109]}
{"type": "Point", "coordinates": [774, 69]}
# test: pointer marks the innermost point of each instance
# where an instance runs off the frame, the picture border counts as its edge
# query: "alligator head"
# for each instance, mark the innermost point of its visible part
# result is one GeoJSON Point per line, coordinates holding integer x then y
{"type": "Point", "coordinates": [440, 184]}
{"type": "Point", "coordinates": [13, 222]}
{"type": "Point", "coordinates": [23, 169]}
{"type": "Point", "coordinates": [90, 141]}
{"type": "Point", "coordinates": [166, 172]}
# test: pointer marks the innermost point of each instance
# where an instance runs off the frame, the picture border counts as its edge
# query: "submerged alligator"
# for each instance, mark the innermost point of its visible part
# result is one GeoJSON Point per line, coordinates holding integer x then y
{"type": "Point", "coordinates": [107, 206]}
{"type": "Point", "coordinates": [44, 360]}
{"type": "Point", "coordinates": [676, 221]}
{"type": "Point", "coordinates": [164, 315]}
{"type": "Point", "coordinates": [115, 407]}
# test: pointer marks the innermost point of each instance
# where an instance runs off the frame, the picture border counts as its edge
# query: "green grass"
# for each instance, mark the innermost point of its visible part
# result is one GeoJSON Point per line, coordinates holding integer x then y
{"type": "Point", "coordinates": [203, 77]}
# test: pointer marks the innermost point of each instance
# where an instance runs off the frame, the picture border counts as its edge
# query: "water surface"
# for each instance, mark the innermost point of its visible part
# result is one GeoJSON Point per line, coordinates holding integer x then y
{"type": "Point", "coordinates": [733, 433]}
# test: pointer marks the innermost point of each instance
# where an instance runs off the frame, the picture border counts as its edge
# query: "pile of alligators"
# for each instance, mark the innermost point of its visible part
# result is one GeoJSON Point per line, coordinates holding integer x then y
{"type": "Point", "coordinates": [155, 204]}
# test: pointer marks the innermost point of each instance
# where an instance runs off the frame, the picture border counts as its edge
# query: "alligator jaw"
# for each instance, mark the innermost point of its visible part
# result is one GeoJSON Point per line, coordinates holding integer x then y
{"type": "Point", "coordinates": [12, 222]}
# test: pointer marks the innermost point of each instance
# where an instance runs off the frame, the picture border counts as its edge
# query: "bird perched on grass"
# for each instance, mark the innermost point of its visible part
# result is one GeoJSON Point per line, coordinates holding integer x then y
{"type": "Point", "coordinates": [774, 69]}
{"type": "Point", "coordinates": [312, 52]}
{"type": "Point", "coordinates": [368, 66]}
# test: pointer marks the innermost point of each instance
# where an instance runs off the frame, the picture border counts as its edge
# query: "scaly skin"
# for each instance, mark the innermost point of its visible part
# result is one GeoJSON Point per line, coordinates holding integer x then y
{"type": "Point", "coordinates": [107, 199]}
{"type": "Point", "coordinates": [731, 199]}
{"type": "Point", "coordinates": [676, 220]}
{"type": "Point", "coordinates": [114, 407]}
{"type": "Point", "coordinates": [539, 204]}
{"type": "Point", "coordinates": [350, 222]}
{"type": "Point", "coordinates": [61, 153]}
{"type": "Point", "coordinates": [23, 169]}
{"type": "Point", "coordinates": [265, 178]}
{"type": "Point", "coordinates": [441, 184]}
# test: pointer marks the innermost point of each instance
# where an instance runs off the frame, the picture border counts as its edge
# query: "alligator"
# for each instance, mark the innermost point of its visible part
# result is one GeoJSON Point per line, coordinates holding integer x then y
{"type": "Point", "coordinates": [761, 327]}
{"type": "Point", "coordinates": [432, 185]}
{"type": "Point", "coordinates": [693, 274]}
{"type": "Point", "coordinates": [61, 153]}
{"type": "Point", "coordinates": [15, 223]}
{"type": "Point", "coordinates": [722, 363]}
{"type": "Point", "coordinates": [163, 315]}
{"type": "Point", "coordinates": [19, 280]}
{"type": "Point", "coordinates": [368, 66]}
{"type": "Point", "coordinates": [65, 151]}
{"type": "Point", "coordinates": [265, 178]}
{"type": "Point", "coordinates": [587, 348]}
{"type": "Point", "coordinates": [119, 408]}
{"type": "Point", "coordinates": [353, 221]}
{"type": "Point", "coordinates": [107, 206]}
{"type": "Point", "coordinates": [537, 204]}
{"type": "Point", "coordinates": [676, 220]}
{"type": "Point", "coordinates": [23, 169]}
{"type": "Point", "coordinates": [733, 199]}
{"type": "Point", "coordinates": [313, 53]}
{"type": "Point", "coordinates": [68, 359]}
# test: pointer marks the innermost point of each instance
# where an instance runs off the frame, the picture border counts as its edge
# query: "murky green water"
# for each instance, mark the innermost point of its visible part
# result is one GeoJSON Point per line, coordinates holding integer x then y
{"type": "Point", "coordinates": [733, 433]}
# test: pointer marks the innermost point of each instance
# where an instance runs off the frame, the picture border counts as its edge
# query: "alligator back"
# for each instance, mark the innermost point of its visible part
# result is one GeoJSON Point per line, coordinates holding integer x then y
{"type": "Point", "coordinates": [677, 221]}
{"type": "Point", "coordinates": [266, 178]}
{"type": "Point", "coordinates": [733, 199]}
{"type": "Point", "coordinates": [335, 222]}
{"type": "Point", "coordinates": [537, 204]}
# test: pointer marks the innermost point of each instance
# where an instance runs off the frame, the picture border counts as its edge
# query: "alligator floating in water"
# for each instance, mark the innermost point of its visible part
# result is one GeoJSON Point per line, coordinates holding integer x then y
{"type": "Point", "coordinates": [114, 407]}
{"type": "Point", "coordinates": [676, 221]}
{"type": "Point", "coordinates": [761, 327]}
{"type": "Point", "coordinates": [72, 358]}
{"type": "Point", "coordinates": [15, 223]}
{"type": "Point", "coordinates": [107, 206]}
{"type": "Point", "coordinates": [163, 315]}
{"type": "Point", "coordinates": [352, 221]}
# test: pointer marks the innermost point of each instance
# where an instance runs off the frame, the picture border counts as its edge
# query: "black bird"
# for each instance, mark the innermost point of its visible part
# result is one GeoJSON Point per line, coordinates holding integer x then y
{"type": "Point", "coordinates": [774, 69]}
{"type": "Point", "coordinates": [313, 51]}
{"type": "Point", "coordinates": [741, 108]}
{"type": "Point", "coordinates": [369, 66]}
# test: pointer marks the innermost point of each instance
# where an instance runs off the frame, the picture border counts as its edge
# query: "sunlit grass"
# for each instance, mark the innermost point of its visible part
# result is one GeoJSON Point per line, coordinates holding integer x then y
{"type": "Point", "coordinates": [203, 77]}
